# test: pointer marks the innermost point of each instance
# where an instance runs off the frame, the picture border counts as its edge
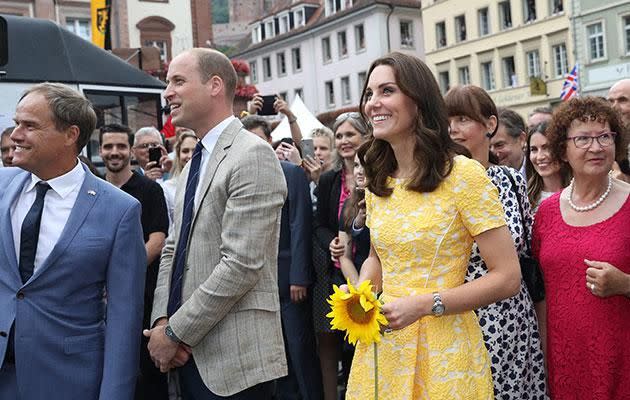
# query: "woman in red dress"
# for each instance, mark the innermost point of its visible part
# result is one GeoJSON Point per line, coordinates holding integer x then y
{"type": "Point", "coordinates": [582, 240]}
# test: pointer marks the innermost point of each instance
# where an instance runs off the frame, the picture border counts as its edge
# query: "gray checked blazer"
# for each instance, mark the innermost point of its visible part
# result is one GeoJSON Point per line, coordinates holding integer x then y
{"type": "Point", "coordinates": [230, 313]}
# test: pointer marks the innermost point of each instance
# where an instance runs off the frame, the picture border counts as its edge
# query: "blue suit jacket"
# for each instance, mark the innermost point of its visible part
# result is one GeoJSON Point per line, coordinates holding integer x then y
{"type": "Point", "coordinates": [69, 342]}
{"type": "Point", "coordinates": [294, 251]}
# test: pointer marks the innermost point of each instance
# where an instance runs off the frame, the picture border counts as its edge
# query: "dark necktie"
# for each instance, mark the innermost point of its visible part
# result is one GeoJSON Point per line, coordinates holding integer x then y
{"type": "Point", "coordinates": [175, 297]}
{"type": "Point", "coordinates": [30, 233]}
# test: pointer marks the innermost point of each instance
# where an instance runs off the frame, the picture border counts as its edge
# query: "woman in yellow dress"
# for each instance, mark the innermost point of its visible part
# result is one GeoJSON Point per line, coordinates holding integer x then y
{"type": "Point", "coordinates": [425, 206]}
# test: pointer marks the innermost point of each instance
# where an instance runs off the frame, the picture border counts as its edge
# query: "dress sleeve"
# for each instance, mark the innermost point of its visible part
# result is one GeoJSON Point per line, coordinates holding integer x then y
{"type": "Point", "coordinates": [477, 198]}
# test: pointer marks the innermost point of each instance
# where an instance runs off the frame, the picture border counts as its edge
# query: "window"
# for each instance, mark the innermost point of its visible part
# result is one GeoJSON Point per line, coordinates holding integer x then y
{"type": "Point", "coordinates": [359, 37]}
{"type": "Point", "coordinates": [326, 54]}
{"type": "Point", "coordinates": [505, 14]}
{"type": "Point", "coordinates": [270, 29]}
{"type": "Point", "coordinates": [560, 63]}
{"type": "Point", "coordinates": [460, 28]}
{"type": "Point", "coordinates": [343, 44]}
{"type": "Point", "coordinates": [529, 11]}
{"type": "Point", "coordinates": [332, 6]}
{"type": "Point", "coordinates": [626, 31]}
{"type": "Point", "coordinates": [298, 92]}
{"type": "Point", "coordinates": [464, 75]}
{"type": "Point", "coordinates": [257, 34]}
{"type": "Point", "coordinates": [160, 45]}
{"type": "Point", "coordinates": [556, 6]}
{"type": "Point", "coordinates": [533, 63]}
{"type": "Point", "coordinates": [406, 34]}
{"type": "Point", "coordinates": [282, 65]}
{"type": "Point", "coordinates": [595, 35]}
{"type": "Point", "coordinates": [445, 81]}
{"type": "Point", "coordinates": [346, 96]}
{"type": "Point", "coordinates": [484, 22]}
{"type": "Point", "coordinates": [283, 96]}
{"type": "Point", "coordinates": [440, 34]}
{"type": "Point", "coordinates": [330, 94]}
{"type": "Point", "coordinates": [298, 18]}
{"type": "Point", "coordinates": [361, 77]}
{"type": "Point", "coordinates": [253, 71]}
{"type": "Point", "coordinates": [284, 23]}
{"type": "Point", "coordinates": [80, 27]}
{"type": "Point", "coordinates": [296, 58]}
{"type": "Point", "coordinates": [509, 72]}
{"type": "Point", "coordinates": [266, 61]}
{"type": "Point", "coordinates": [487, 76]}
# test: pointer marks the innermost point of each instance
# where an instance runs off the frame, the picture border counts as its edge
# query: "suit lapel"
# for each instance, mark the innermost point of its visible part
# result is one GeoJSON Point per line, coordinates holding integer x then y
{"type": "Point", "coordinates": [88, 194]}
{"type": "Point", "coordinates": [218, 154]}
{"type": "Point", "coordinates": [14, 188]}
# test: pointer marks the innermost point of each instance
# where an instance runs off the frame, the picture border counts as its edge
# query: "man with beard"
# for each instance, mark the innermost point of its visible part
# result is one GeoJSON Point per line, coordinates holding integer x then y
{"type": "Point", "coordinates": [115, 150]}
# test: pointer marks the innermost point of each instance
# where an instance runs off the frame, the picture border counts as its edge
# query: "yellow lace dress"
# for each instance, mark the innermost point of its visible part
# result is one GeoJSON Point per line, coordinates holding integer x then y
{"type": "Point", "coordinates": [424, 241]}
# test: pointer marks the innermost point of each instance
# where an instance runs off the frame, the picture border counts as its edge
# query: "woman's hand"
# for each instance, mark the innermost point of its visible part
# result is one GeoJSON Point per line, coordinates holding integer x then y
{"type": "Point", "coordinates": [313, 168]}
{"type": "Point", "coordinates": [605, 280]}
{"type": "Point", "coordinates": [404, 311]}
{"type": "Point", "coordinates": [288, 152]}
{"type": "Point", "coordinates": [255, 104]}
{"type": "Point", "coordinates": [337, 248]}
{"type": "Point", "coordinates": [359, 220]}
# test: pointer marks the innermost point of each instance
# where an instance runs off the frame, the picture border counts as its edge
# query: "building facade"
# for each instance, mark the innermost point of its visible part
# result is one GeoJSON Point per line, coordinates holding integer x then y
{"type": "Point", "coordinates": [170, 25]}
{"type": "Point", "coordinates": [501, 45]}
{"type": "Point", "coordinates": [602, 37]}
{"type": "Point", "coordinates": [322, 50]}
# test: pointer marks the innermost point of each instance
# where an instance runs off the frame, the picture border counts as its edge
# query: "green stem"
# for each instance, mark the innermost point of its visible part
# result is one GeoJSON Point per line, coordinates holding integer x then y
{"type": "Point", "coordinates": [375, 372]}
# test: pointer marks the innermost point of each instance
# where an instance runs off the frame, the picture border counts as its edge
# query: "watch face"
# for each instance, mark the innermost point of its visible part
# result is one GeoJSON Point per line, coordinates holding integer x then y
{"type": "Point", "coordinates": [438, 309]}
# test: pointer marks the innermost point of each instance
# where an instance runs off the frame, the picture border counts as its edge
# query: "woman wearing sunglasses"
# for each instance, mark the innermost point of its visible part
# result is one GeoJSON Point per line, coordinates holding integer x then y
{"type": "Point", "coordinates": [581, 239]}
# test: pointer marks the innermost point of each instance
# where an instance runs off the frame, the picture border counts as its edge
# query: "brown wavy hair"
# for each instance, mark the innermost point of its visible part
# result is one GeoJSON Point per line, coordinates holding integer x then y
{"type": "Point", "coordinates": [535, 183]}
{"type": "Point", "coordinates": [433, 151]}
{"type": "Point", "coordinates": [584, 109]}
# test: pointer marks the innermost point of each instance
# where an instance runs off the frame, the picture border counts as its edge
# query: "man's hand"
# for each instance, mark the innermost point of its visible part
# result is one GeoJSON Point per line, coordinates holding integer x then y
{"type": "Point", "coordinates": [298, 293]}
{"type": "Point", "coordinates": [153, 171]}
{"type": "Point", "coordinates": [181, 356]}
{"type": "Point", "coordinates": [605, 280]}
{"type": "Point", "coordinates": [161, 348]}
{"type": "Point", "coordinates": [359, 220]}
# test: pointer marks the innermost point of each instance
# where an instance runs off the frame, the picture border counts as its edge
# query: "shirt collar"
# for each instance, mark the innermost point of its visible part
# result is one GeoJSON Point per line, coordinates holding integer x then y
{"type": "Point", "coordinates": [214, 133]}
{"type": "Point", "coordinates": [62, 185]}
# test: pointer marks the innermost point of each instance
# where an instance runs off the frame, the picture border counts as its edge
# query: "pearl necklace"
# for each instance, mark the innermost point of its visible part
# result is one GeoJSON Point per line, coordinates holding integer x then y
{"type": "Point", "coordinates": [593, 205]}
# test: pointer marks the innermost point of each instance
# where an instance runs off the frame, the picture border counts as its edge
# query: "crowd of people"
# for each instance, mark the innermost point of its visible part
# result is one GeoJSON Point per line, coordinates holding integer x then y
{"type": "Point", "coordinates": [498, 245]}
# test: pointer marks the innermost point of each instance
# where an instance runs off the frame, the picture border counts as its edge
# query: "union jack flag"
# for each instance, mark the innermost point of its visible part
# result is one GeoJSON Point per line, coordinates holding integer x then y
{"type": "Point", "coordinates": [570, 87]}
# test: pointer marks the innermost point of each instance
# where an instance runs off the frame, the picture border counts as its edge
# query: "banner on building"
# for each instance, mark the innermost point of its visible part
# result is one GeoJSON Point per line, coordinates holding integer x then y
{"type": "Point", "coordinates": [101, 27]}
{"type": "Point", "coordinates": [571, 86]}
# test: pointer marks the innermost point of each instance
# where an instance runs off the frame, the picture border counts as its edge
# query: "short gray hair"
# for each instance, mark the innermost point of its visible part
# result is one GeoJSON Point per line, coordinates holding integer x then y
{"type": "Point", "coordinates": [355, 119]}
{"type": "Point", "coordinates": [146, 131]}
{"type": "Point", "coordinates": [512, 122]}
{"type": "Point", "coordinates": [67, 107]}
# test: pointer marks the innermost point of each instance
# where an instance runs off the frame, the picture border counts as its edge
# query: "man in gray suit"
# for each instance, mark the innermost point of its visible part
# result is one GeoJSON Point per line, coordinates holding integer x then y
{"type": "Point", "coordinates": [217, 293]}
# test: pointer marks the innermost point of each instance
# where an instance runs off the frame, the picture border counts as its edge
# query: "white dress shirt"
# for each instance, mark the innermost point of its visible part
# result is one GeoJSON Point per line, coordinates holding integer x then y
{"type": "Point", "coordinates": [208, 142]}
{"type": "Point", "coordinates": [58, 204]}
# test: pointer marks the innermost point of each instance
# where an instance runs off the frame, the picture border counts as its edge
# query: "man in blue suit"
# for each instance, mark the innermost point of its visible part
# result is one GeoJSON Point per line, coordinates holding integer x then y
{"type": "Point", "coordinates": [295, 275]}
{"type": "Point", "coordinates": [72, 261]}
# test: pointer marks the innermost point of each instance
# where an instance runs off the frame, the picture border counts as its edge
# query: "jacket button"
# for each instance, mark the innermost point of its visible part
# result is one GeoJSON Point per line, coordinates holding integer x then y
{"type": "Point", "coordinates": [3, 334]}
{"type": "Point", "coordinates": [20, 295]}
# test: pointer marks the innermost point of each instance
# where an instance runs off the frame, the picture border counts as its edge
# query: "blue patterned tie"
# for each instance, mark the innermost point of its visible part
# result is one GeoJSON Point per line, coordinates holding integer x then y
{"type": "Point", "coordinates": [30, 233]}
{"type": "Point", "coordinates": [175, 297]}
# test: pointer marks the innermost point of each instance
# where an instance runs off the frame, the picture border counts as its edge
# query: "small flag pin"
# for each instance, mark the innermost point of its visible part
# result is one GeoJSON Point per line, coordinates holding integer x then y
{"type": "Point", "coordinates": [92, 192]}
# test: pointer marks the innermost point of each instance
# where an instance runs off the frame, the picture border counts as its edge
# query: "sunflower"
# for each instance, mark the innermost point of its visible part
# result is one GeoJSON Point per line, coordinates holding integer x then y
{"type": "Point", "coordinates": [357, 312]}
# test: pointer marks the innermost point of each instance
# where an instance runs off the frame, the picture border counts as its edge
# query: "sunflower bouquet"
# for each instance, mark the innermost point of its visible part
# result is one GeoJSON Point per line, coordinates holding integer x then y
{"type": "Point", "coordinates": [358, 313]}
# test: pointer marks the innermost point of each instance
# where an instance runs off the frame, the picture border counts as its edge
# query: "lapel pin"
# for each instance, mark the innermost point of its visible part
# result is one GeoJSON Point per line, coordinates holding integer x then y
{"type": "Point", "coordinates": [92, 192]}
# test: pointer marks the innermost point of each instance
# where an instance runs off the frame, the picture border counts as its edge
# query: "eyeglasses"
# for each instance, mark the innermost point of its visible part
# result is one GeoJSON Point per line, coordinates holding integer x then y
{"type": "Point", "coordinates": [146, 145]}
{"type": "Point", "coordinates": [584, 142]}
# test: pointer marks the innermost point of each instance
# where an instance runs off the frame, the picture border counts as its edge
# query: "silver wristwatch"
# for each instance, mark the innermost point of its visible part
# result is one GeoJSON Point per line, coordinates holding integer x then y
{"type": "Point", "coordinates": [438, 307]}
{"type": "Point", "coordinates": [168, 331]}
